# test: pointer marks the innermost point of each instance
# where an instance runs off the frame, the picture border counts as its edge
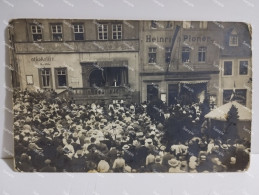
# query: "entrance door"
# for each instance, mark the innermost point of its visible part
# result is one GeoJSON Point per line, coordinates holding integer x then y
{"type": "Point", "coordinates": [152, 92]}
{"type": "Point", "coordinates": [172, 94]}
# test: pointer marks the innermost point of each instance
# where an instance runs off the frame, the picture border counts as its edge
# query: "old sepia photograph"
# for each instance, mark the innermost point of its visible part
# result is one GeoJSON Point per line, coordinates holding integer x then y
{"type": "Point", "coordinates": [131, 96]}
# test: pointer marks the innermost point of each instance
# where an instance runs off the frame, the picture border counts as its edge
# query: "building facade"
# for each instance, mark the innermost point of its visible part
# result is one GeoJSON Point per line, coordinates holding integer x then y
{"type": "Point", "coordinates": [97, 60]}
{"type": "Point", "coordinates": [179, 64]}
{"type": "Point", "coordinates": [136, 61]}
{"type": "Point", "coordinates": [236, 64]}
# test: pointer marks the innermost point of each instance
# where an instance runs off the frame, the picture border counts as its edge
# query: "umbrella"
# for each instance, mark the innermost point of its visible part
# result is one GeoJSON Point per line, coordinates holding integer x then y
{"type": "Point", "coordinates": [221, 112]}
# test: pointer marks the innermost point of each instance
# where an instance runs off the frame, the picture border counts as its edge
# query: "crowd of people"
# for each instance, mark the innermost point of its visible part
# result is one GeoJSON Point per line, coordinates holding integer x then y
{"type": "Point", "coordinates": [55, 135]}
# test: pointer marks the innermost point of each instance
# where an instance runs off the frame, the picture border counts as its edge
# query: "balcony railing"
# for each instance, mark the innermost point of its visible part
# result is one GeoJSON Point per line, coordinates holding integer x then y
{"type": "Point", "coordinates": [103, 94]}
{"type": "Point", "coordinates": [100, 91]}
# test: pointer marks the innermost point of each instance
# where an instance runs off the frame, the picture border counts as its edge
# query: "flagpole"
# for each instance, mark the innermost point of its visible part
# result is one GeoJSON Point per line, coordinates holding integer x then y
{"type": "Point", "coordinates": [172, 45]}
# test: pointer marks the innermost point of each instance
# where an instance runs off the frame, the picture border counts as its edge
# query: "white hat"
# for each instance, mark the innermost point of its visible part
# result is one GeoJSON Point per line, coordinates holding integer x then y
{"type": "Point", "coordinates": [103, 166]}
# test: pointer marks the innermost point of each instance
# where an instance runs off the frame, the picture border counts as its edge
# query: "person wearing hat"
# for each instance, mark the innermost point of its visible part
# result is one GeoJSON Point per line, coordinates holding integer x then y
{"type": "Point", "coordinates": [78, 162]}
{"type": "Point", "coordinates": [167, 156]}
{"type": "Point", "coordinates": [231, 165]}
{"type": "Point", "coordinates": [204, 163]}
{"type": "Point", "coordinates": [192, 166]}
{"type": "Point", "coordinates": [217, 165]}
{"type": "Point", "coordinates": [127, 154]}
{"type": "Point", "coordinates": [90, 167]}
{"type": "Point", "coordinates": [119, 163]}
{"type": "Point", "coordinates": [92, 144]}
{"type": "Point", "coordinates": [24, 163]}
{"type": "Point", "coordinates": [174, 166]}
{"type": "Point", "coordinates": [140, 154]}
{"type": "Point", "coordinates": [103, 166]}
{"type": "Point", "coordinates": [68, 149]}
{"type": "Point", "coordinates": [149, 144]}
{"type": "Point", "coordinates": [102, 147]}
{"type": "Point", "coordinates": [157, 166]}
{"type": "Point", "coordinates": [150, 160]}
{"type": "Point", "coordinates": [48, 167]}
{"type": "Point", "coordinates": [112, 155]}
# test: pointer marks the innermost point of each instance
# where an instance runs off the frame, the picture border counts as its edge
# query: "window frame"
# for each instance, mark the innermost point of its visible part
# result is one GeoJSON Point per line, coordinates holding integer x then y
{"type": "Point", "coordinates": [37, 33]}
{"type": "Point", "coordinates": [169, 24]}
{"type": "Point", "coordinates": [189, 51]}
{"type": "Point", "coordinates": [202, 51]}
{"type": "Point", "coordinates": [27, 79]}
{"type": "Point", "coordinates": [187, 24]}
{"type": "Point", "coordinates": [98, 32]}
{"type": "Point", "coordinates": [153, 24]}
{"type": "Point", "coordinates": [41, 79]}
{"type": "Point", "coordinates": [232, 72]}
{"type": "Point", "coordinates": [238, 89]}
{"type": "Point", "coordinates": [242, 60]}
{"type": "Point", "coordinates": [56, 77]}
{"type": "Point", "coordinates": [56, 33]}
{"type": "Point", "coordinates": [116, 31]}
{"type": "Point", "coordinates": [233, 34]}
{"type": "Point", "coordinates": [74, 32]}
{"type": "Point", "coordinates": [153, 48]}
{"type": "Point", "coordinates": [203, 25]}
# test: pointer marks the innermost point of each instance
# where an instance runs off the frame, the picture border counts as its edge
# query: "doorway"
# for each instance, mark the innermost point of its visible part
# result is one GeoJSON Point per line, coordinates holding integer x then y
{"type": "Point", "coordinates": [152, 92]}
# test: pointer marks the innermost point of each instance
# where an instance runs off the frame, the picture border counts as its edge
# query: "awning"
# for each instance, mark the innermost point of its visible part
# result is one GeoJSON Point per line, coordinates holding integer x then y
{"type": "Point", "coordinates": [220, 113]}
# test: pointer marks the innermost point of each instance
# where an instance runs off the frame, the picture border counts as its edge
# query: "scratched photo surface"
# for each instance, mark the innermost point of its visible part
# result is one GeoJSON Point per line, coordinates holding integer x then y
{"type": "Point", "coordinates": [117, 96]}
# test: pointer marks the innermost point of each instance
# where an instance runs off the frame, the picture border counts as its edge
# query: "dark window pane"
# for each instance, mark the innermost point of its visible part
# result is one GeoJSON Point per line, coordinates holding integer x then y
{"type": "Point", "coordinates": [62, 80]}
{"type": "Point", "coordinates": [37, 37]}
{"type": "Point", "coordinates": [79, 36]}
{"type": "Point", "coordinates": [185, 54]}
{"type": "Point", "coordinates": [228, 68]}
{"type": "Point", "coordinates": [243, 67]}
{"type": "Point", "coordinates": [57, 37]}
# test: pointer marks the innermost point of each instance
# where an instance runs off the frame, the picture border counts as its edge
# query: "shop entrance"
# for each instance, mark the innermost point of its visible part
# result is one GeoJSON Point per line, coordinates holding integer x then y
{"type": "Point", "coordinates": [186, 93]}
{"type": "Point", "coordinates": [152, 92]}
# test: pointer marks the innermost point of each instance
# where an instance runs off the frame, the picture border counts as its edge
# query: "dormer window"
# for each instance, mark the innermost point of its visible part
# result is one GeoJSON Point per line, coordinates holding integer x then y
{"type": "Point", "coordinates": [187, 24]}
{"type": "Point", "coordinates": [153, 24]}
{"type": "Point", "coordinates": [233, 38]}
